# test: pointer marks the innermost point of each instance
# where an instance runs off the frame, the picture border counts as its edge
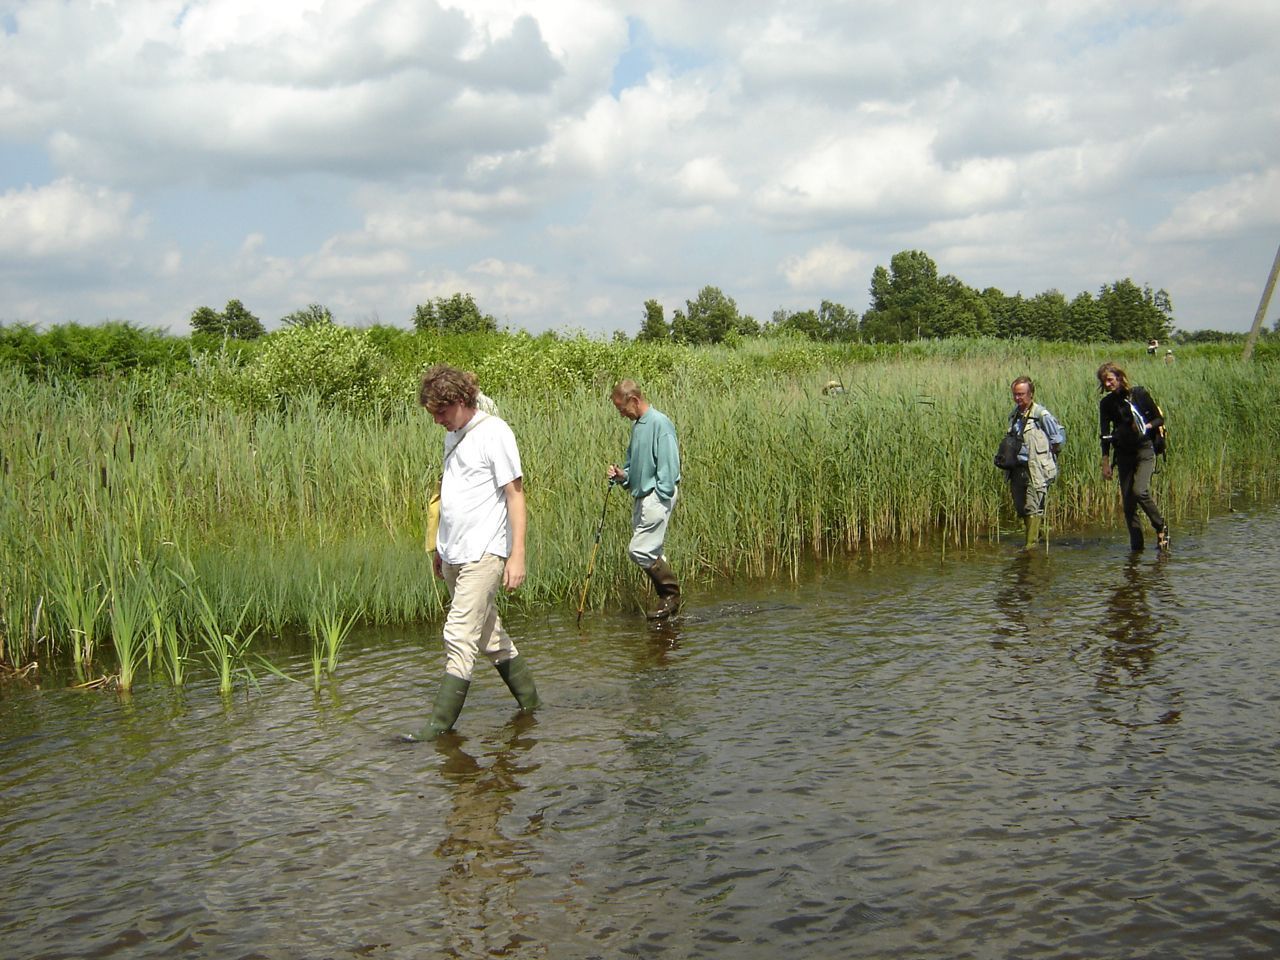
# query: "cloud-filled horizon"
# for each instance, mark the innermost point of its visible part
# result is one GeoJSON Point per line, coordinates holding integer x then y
{"type": "Point", "coordinates": [563, 162]}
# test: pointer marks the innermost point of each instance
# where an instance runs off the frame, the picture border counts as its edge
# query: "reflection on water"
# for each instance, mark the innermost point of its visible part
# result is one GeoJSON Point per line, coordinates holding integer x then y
{"type": "Point", "coordinates": [990, 754]}
{"type": "Point", "coordinates": [482, 859]}
{"type": "Point", "coordinates": [1132, 627]}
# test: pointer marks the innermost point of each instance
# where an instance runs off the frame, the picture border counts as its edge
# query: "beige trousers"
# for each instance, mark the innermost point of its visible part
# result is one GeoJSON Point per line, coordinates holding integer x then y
{"type": "Point", "coordinates": [473, 626]}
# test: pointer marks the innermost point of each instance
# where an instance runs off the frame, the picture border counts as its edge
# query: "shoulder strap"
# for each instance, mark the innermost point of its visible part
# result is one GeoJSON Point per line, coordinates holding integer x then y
{"type": "Point", "coordinates": [1015, 416]}
{"type": "Point", "coordinates": [475, 422]}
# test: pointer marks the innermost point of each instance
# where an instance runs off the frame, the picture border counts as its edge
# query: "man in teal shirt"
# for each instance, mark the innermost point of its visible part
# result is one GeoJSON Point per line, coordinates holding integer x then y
{"type": "Point", "coordinates": [652, 475]}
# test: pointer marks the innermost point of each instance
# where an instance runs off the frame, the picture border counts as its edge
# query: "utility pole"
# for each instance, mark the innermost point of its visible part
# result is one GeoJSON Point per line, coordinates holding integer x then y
{"type": "Point", "coordinates": [1262, 309]}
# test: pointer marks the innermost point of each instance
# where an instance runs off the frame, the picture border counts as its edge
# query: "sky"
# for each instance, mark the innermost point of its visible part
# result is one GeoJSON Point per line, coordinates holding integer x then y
{"type": "Point", "coordinates": [565, 161]}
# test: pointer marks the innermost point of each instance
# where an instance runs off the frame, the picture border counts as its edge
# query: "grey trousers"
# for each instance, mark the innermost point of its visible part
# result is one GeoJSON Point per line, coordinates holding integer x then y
{"type": "Point", "coordinates": [1135, 491]}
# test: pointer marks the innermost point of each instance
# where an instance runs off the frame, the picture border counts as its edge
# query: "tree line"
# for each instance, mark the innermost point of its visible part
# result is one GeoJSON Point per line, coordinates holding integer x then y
{"type": "Point", "coordinates": [455, 314]}
{"type": "Point", "coordinates": [909, 301]}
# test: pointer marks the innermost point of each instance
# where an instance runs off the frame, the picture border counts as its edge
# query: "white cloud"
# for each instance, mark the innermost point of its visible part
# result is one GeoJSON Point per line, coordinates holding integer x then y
{"type": "Point", "coordinates": [705, 180]}
{"type": "Point", "coordinates": [1245, 204]}
{"type": "Point", "coordinates": [882, 171]}
{"type": "Point", "coordinates": [66, 219]}
{"type": "Point", "coordinates": [829, 266]}
{"type": "Point", "coordinates": [774, 149]}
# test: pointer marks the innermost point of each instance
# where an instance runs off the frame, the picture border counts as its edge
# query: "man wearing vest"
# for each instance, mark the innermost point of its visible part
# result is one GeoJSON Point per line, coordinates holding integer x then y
{"type": "Point", "coordinates": [1042, 439]}
{"type": "Point", "coordinates": [651, 474]}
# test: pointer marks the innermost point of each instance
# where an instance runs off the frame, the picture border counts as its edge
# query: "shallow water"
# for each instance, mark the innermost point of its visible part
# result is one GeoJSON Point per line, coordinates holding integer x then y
{"type": "Point", "coordinates": [917, 756]}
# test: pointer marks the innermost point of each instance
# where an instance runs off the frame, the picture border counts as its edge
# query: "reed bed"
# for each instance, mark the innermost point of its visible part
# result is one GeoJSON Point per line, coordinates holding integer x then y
{"type": "Point", "coordinates": [137, 538]}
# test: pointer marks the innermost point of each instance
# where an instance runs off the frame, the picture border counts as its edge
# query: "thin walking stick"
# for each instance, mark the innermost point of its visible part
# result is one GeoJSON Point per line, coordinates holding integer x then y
{"type": "Point", "coordinates": [591, 565]}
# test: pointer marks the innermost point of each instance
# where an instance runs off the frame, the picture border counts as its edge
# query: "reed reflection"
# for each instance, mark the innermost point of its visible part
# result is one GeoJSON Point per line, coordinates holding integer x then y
{"type": "Point", "coordinates": [478, 889]}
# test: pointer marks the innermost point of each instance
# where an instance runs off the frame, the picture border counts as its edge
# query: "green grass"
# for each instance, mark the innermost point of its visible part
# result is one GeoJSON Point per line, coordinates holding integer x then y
{"type": "Point", "coordinates": [127, 513]}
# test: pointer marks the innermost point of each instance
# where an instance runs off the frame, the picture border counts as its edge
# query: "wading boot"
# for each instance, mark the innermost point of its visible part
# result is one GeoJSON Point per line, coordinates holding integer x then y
{"type": "Point", "coordinates": [1033, 532]}
{"type": "Point", "coordinates": [668, 589]}
{"type": "Point", "coordinates": [519, 680]}
{"type": "Point", "coordinates": [449, 700]}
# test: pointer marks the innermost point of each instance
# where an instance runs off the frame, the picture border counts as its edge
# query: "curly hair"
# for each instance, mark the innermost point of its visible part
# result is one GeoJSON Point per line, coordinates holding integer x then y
{"type": "Point", "coordinates": [443, 385]}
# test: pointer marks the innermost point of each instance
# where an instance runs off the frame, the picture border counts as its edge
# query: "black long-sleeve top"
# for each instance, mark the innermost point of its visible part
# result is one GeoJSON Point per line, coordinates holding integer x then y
{"type": "Point", "coordinates": [1116, 421]}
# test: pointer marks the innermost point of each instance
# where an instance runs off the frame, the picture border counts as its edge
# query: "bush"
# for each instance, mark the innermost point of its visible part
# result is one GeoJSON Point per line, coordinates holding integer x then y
{"type": "Point", "coordinates": [336, 365]}
{"type": "Point", "coordinates": [83, 351]}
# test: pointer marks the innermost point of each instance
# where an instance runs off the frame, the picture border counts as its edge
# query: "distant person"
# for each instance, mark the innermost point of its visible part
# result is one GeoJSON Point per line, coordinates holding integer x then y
{"type": "Point", "coordinates": [481, 544]}
{"type": "Point", "coordinates": [1127, 420]}
{"type": "Point", "coordinates": [832, 388]}
{"type": "Point", "coordinates": [1152, 346]}
{"type": "Point", "coordinates": [1168, 357]}
{"type": "Point", "coordinates": [651, 474]}
{"type": "Point", "coordinates": [1042, 439]}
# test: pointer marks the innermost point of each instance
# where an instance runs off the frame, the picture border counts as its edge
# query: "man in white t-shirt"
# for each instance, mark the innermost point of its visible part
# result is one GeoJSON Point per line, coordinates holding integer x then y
{"type": "Point", "coordinates": [480, 546]}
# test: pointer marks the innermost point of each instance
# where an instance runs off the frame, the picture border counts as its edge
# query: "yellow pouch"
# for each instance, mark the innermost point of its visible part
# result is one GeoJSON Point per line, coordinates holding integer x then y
{"type": "Point", "coordinates": [433, 521]}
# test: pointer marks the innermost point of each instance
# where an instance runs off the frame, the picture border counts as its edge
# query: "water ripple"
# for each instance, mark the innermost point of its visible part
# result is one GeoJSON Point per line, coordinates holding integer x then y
{"type": "Point", "coordinates": [982, 755]}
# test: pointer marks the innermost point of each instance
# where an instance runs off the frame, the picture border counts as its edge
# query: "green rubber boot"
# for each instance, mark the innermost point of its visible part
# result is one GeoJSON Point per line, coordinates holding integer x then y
{"type": "Point", "coordinates": [1033, 532]}
{"type": "Point", "coordinates": [519, 680]}
{"type": "Point", "coordinates": [449, 700]}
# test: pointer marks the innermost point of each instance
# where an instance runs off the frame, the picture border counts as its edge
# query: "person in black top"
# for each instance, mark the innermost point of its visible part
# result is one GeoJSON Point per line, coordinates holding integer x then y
{"type": "Point", "coordinates": [1127, 419]}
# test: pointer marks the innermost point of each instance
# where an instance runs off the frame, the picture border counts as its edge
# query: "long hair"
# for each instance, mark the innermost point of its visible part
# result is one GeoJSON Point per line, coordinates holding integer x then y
{"type": "Point", "coordinates": [1120, 376]}
{"type": "Point", "coordinates": [443, 385]}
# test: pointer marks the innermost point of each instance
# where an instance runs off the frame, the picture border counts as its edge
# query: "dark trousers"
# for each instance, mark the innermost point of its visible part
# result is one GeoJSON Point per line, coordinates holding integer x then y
{"type": "Point", "coordinates": [1135, 470]}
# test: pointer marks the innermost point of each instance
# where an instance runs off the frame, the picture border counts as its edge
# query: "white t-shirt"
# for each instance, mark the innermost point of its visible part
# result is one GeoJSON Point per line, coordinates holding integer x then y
{"type": "Point", "coordinates": [473, 506]}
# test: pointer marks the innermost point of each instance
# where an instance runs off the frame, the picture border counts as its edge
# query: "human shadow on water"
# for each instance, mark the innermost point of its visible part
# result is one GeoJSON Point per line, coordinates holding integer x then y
{"type": "Point", "coordinates": [1131, 627]}
{"type": "Point", "coordinates": [1020, 598]}
{"type": "Point", "coordinates": [485, 865]}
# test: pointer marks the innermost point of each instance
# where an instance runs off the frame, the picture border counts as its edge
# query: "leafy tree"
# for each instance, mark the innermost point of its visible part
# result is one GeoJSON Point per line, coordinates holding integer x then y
{"type": "Point", "coordinates": [683, 331]}
{"type": "Point", "coordinates": [907, 300]}
{"type": "Point", "coordinates": [1000, 308]}
{"type": "Point", "coordinates": [1135, 314]}
{"type": "Point", "coordinates": [235, 321]}
{"type": "Point", "coordinates": [711, 318]}
{"type": "Point", "coordinates": [1018, 320]}
{"type": "Point", "coordinates": [837, 323]}
{"type": "Point", "coordinates": [655, 328]}
{"type": "Point", "coordinates": [424, 318]}
{"type": "Point", "coordinates": [966, 313]}
{"type": "Point", "coordinates": [455, 314]}
{"type": "Point", "coordinates": [1047, 316]}
{"type": "Point", "coordinates": [1087, 319]}
{"type": "Point", "coordinates": [308, 316]}
{"type": "Point", "coordinates": [804, 323]}
{"type": "Point", "coordinates": [206, 320]}
{"type": "Point", "coordinates": [240, 323]}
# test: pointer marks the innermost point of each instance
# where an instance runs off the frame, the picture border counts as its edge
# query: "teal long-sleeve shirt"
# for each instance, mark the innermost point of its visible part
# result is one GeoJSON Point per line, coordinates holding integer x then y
{"type": "Point", "coordinates": [653, 457]}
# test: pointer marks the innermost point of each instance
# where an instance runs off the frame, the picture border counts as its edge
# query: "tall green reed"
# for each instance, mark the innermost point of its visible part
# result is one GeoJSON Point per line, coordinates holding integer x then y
{"type": "Point", "coordinates": [226, 650]}
{"type": "Point", "coordinates": [130, 592]}
{"type": "Point", "coordinates": [328, 628]}
{"type": "Point", "coordinates": [256, 507]}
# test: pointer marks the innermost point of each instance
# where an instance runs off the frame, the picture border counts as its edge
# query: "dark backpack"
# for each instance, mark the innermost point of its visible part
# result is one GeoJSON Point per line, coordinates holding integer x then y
{"type": "Point", "coordinates": [1159, 439]}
